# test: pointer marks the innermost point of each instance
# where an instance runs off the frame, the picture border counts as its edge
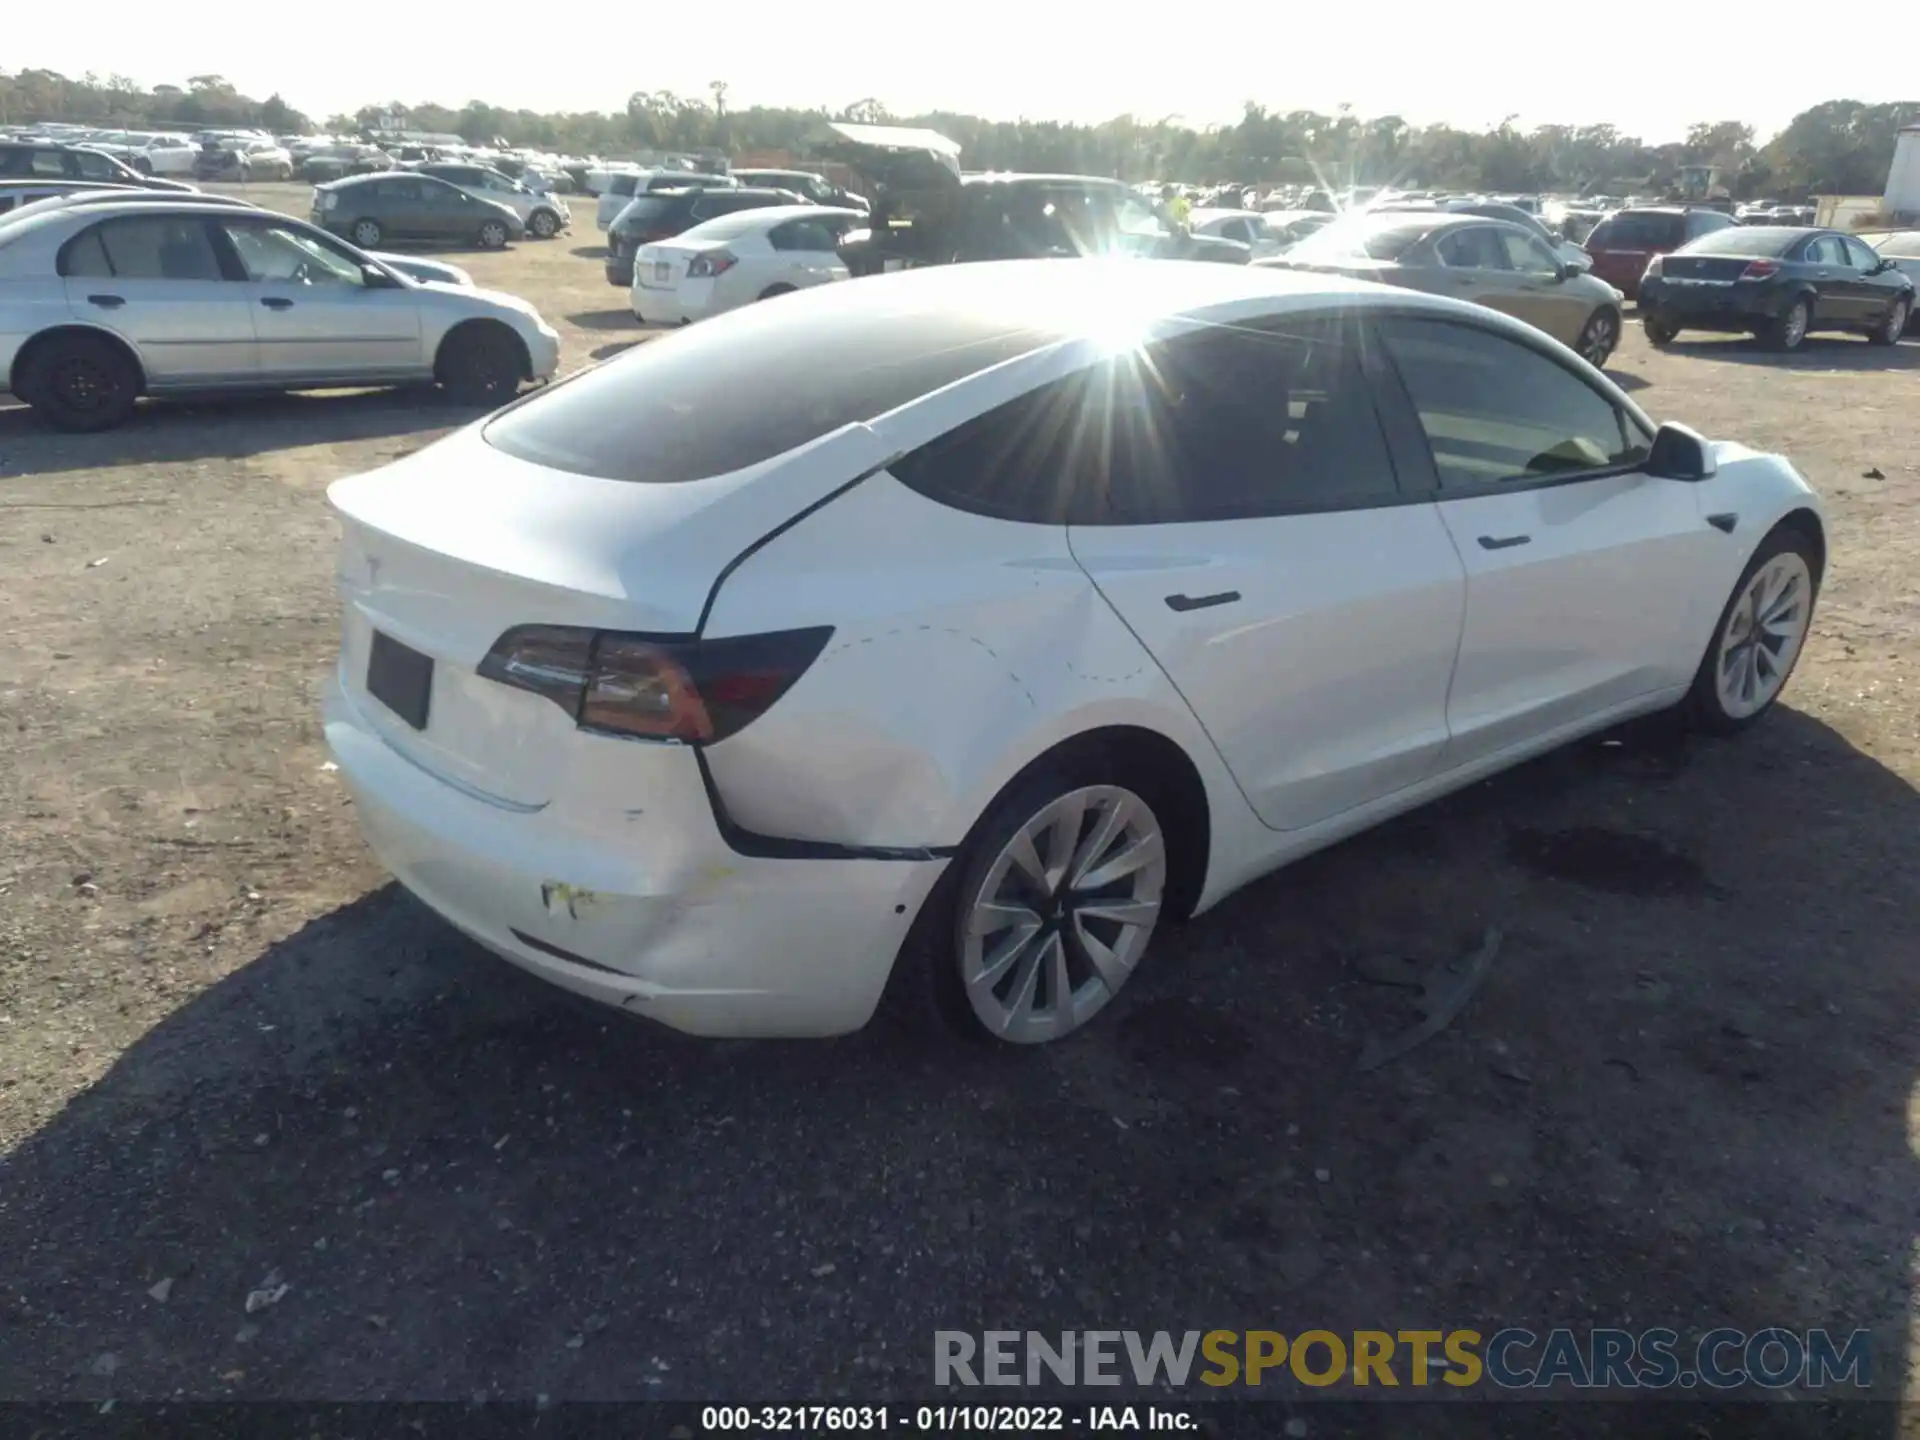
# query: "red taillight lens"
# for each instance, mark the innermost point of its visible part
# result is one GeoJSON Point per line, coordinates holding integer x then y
{"type": "Point", "coordinates": [705, 267]}
{"type": "Point", "coordinates": [654, 687]}
{"type": "Point", "coordinates": [1760, 269]}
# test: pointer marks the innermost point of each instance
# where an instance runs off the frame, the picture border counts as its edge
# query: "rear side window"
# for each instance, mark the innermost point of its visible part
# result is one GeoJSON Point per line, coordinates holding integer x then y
{"type": "Point", "coordinates": [1638, 232]}
{"type": "Point", "coordinates": [1229, 424]}
{"type": "Point", "coordinates": [721, 396]}
{"type": "Point", "coordinates": [818, 236]}
{"type": "Point", "coordinates": [143, 247]}
{"type": "Point", "coordinates": [1497, 411]}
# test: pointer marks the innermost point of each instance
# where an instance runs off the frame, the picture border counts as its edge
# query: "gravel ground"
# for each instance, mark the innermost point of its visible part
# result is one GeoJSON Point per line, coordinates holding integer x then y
{"type": "Point", "coordinates": [231, 1053]}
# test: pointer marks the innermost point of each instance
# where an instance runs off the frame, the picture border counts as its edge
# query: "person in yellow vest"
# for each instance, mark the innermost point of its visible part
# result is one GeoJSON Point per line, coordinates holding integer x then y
{"type": "Point", "coordinates": [1178, 207]}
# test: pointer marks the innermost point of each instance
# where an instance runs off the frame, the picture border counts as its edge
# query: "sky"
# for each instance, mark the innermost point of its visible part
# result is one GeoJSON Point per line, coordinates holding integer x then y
{"type": "Point", "coordinates": [1545, 64]}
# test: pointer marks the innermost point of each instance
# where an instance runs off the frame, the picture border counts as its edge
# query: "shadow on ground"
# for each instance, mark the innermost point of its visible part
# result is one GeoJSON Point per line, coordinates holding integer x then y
{"type": "Point", "coordinates": [1681, 1098]}
{"type": "Point", "coordinates": [605, 320]}
{"type": "Point", "coordinates": [168, 431]}
{"type": "Point", "coordinates": [1816, 352]}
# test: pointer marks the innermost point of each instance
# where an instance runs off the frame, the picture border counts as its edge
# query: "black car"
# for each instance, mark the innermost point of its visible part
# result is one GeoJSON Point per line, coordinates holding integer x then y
{"type": "Point", "coordinates": [48, 160]}
{"type": "Point", "coordinates": [927, 212]}
{"type": "Point", "coordinates": [1775, 282]}
{"type": "Point", "coordinates": [663, 214]}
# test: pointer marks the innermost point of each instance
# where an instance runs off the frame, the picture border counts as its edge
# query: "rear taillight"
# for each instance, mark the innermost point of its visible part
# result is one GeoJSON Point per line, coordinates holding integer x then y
{"type": "Point", "coordinates": [654, 687]}
{"type": "Point", "coordinates": [1760, 269]}
{"type": "Point", "coordinates": [705, 267]}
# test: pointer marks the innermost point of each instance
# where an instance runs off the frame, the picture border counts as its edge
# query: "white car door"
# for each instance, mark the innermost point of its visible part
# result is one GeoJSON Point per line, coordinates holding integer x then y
{"type": "Point", "coordinates": [1258, 544]}
{"type": "Point", "coordinates": [1583, 572]}
{"type": "Point", "coordinates": [157, 281]}
{"type": "Point", "coordinates": [317, 314]}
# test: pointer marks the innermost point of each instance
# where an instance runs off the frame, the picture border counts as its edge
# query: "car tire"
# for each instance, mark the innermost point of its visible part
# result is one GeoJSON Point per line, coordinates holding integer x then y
{"type": "Point", "coordinates": [1658, 331]}
{"type": "Point", "coordinates": [1599, 337]}
{"type": "Point", "coordinates": [81, 383]}
{"type": "Point", "coordinates": [1742, 675]}
{"type": "Point", "coordinates": [366, 234]}
{"type": "Point", "coordinates": [283, 172]}
{"type": "Point", "coordinates": [543, 225]}
{"type": "Point", "coordinates": [1789, 332]}
{"type": "Point", "coordinates": [492, 236]}
{"type": "Point", "coordinates": [773, 290]}
{"type": "Point", "coordinates": [1889, 330]}
{"type": "Point", "coordinates": [143, 164]}
{"type": "Point", "coordinates": [480, 363]}
{"type": "Point", "coordinates": [966, 973]}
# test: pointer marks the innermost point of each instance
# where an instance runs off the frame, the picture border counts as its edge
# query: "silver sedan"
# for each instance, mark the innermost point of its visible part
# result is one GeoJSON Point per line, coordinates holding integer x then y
{"type": "Point", "coordinates": [101, 304]}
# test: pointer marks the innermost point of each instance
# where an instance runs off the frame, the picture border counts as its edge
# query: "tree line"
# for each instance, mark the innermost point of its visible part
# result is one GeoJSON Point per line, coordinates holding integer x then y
{"type": "Point", "coordinates": [1837, 147]}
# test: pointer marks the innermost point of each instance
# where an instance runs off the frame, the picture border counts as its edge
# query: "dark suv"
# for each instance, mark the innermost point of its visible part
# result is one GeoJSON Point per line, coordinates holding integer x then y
{"type": "Point", "coordinates": [44, 160]}
{"type": "Point", "coordinates": [664, 214]}
{"type": "Point", "coordinates": [926, 212]}
{"type": "Point", "coordinates": [1623, 243]}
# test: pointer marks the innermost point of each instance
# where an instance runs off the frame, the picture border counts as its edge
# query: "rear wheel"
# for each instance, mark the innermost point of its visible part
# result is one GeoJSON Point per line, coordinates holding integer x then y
{"type": "Point", "coordinates": [480, 364]}
{"type": "Point", "coordinates": [1600, 337]}
{"type": "Point", "coordinates": [544, 224]}
{"type": "Point", "coordinates": [1658, 331]}
{"type": "Point", "coordinates": [366, 233]}
{"type": "Point", "coordinates": [1790, 330]}
{"type": "Point", "coordinates": [1889, 331]}
{"type": "Point", "coordinates": [493, 235]}
{"type": "Point", "coordinates": [283, 172]}
{"type": "Point", "coordinates": [143, 164]}
{"type": "Point", "coordinates": [81, 383]}
{"type": "Point", "coordinates": [1759, 637]}
{"type": "Point", "coordinates": [1046, 912]}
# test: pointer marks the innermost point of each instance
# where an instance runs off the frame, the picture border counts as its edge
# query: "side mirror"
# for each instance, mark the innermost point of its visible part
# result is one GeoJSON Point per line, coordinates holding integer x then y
{"type": "Point", "coordinates": [1681, 453]}
{"type": "Point", "coordinates": [378, 279]}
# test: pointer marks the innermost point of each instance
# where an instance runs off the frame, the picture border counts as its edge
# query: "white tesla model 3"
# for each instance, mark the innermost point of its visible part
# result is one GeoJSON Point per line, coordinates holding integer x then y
{"type": "Point", "coordinates": [958, 628]}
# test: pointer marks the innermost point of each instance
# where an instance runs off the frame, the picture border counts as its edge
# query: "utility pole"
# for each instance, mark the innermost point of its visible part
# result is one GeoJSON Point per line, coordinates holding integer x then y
{"type": "Point", "coordinates": [719, 88]}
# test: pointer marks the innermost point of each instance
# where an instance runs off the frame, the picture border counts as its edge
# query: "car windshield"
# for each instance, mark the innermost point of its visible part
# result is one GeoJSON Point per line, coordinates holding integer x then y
{"type": "Point", "coordinates": [1744, 240]}
{"type": "Point", "coordinates": [1373, 237]}
{"type": "Point", "coordinates": [725, 395]}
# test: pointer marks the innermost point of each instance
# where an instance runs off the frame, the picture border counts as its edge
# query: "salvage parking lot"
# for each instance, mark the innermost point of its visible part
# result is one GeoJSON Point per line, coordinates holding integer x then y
{"type": "Point", "coordinates": [236, 1058]}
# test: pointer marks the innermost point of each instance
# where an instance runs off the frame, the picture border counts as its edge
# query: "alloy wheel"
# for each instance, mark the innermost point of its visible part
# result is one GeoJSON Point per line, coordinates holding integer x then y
{"type": "Point", "coordinates": [1063, 914]}
{"type": "Point", "coordinates": [1793, 329]}
{"type": "Point", "coordinates": [366, 233]}
{"type": "Point", "coordinates": [1600, 338]}
{"type": "Point", "coordinates": [1764, 633]}
{"type": "Point", "coordinates": [493, 235]}
{"type": "Point", "coordinates": [1896, 322]}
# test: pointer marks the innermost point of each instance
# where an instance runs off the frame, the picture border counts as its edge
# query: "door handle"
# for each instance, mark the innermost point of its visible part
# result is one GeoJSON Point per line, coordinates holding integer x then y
{"type": "Point", "coordinates": [107, 302]}
{"type": "Point", "coordinates": [1184, 603]}
{"type": "Point", "coordinates": [276, 302]}
{"type": "Point", "coordinates": [1503, 542]}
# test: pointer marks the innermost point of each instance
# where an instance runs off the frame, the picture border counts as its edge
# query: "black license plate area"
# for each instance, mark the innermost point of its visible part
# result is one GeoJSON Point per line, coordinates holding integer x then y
{"type": "Point", "coordinates": [400, 678]}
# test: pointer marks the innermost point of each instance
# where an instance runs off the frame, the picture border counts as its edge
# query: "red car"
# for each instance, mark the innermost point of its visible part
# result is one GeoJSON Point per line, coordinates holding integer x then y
{"type": "Point", "coordinates": [1623, 243]}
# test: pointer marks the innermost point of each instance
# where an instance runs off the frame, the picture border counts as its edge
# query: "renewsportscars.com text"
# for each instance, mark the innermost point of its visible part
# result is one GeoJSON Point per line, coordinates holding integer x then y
{"type": "Point", "coordinates": [1512, 1358]}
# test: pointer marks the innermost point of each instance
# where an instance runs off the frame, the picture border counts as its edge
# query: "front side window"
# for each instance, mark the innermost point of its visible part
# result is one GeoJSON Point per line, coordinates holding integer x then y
{"type": "Point", "coordinates": [1477, 247]}
{"type": "Point", "coordinates": [96, 167]}
{"type": "Point", "coordinates": [49, 162]}
{"type": "Point", "coordinates": [1860, 257]}
{"type": "Point", "coordinates": [280, 254]}
{"type": "Point", "coordinates": [1527, 255]}
{"type": "Point", "coordinates": [1228, 424]}
{"type": "Point", "coordinates": [1824, 250]}
{"type": "Point", "coordinates": [817, 236]}
{"type": "Point", "coordinates": [146, 247]}
{"type": "Point", "coordinates": [1498, 411]}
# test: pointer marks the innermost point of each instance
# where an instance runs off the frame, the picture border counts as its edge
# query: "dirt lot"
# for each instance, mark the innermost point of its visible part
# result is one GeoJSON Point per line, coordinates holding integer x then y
{"type": "Point", "coordinates": [229, 1048]}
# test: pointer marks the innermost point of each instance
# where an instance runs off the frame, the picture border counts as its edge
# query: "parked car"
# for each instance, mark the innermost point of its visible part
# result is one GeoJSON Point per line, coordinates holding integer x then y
{"type": "Point", "coordinates": [403, 205]}
{"type": "Point", "coordinates": [1903, 248]}
{"type": "Point", "coordinates": [102, 304]}
{"type": "Point", "coordinates": [336, 162]}
{"type": "Point", "coordinates": [243, 160]}
{"type": "Point", "coordinates": [1623, 243]}
{"type": "Point", "coordinates": [1494, 210]}
{"type": "Point", "coordinates": [41, 160]}
{"type": "Point", "coordinates": [650, 218]}
{"type": "Point", "coordinates": [621, 188]}
{"type": "Point", "coordinates": [752, 254]}
{"type": "Point", "coordinates": [927, 212]}
{"type": "Point", "coordinates": [962, 664]}
{"type": "Point", "coordinates": [544, 215]}
{"type": "Point", "coordinates": [1778, 283]}
{"type": "Point", "coordinates": [815, 189]}
{"type": "Point", "coordinates": [150, 153]}
{"type": "Point", "coordinates": [1264, 232]}
{"type": "Point", "coordinates": [1489, 262]}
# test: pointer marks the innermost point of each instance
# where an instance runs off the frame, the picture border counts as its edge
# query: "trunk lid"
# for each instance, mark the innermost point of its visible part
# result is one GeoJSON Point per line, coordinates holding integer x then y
{"type": "Point", "coordinates": [1705, 267]}
{"type": "Point", "coordinates": [447, 549]}
{"type": "Point", "coordinates": [896, 157]}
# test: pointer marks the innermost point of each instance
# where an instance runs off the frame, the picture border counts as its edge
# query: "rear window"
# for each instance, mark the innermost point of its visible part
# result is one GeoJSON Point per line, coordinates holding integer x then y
{"type": "Point", "coordinates": [1638, 232]}
{"type": "Point", "coordinates": [622, 184]}
{"type": "Point", "coordinates": [1744, 240]}
{"type": "Point", "coordinates": [718, 397]}
{"type": "Point", "coordinates": [1375, 238]}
